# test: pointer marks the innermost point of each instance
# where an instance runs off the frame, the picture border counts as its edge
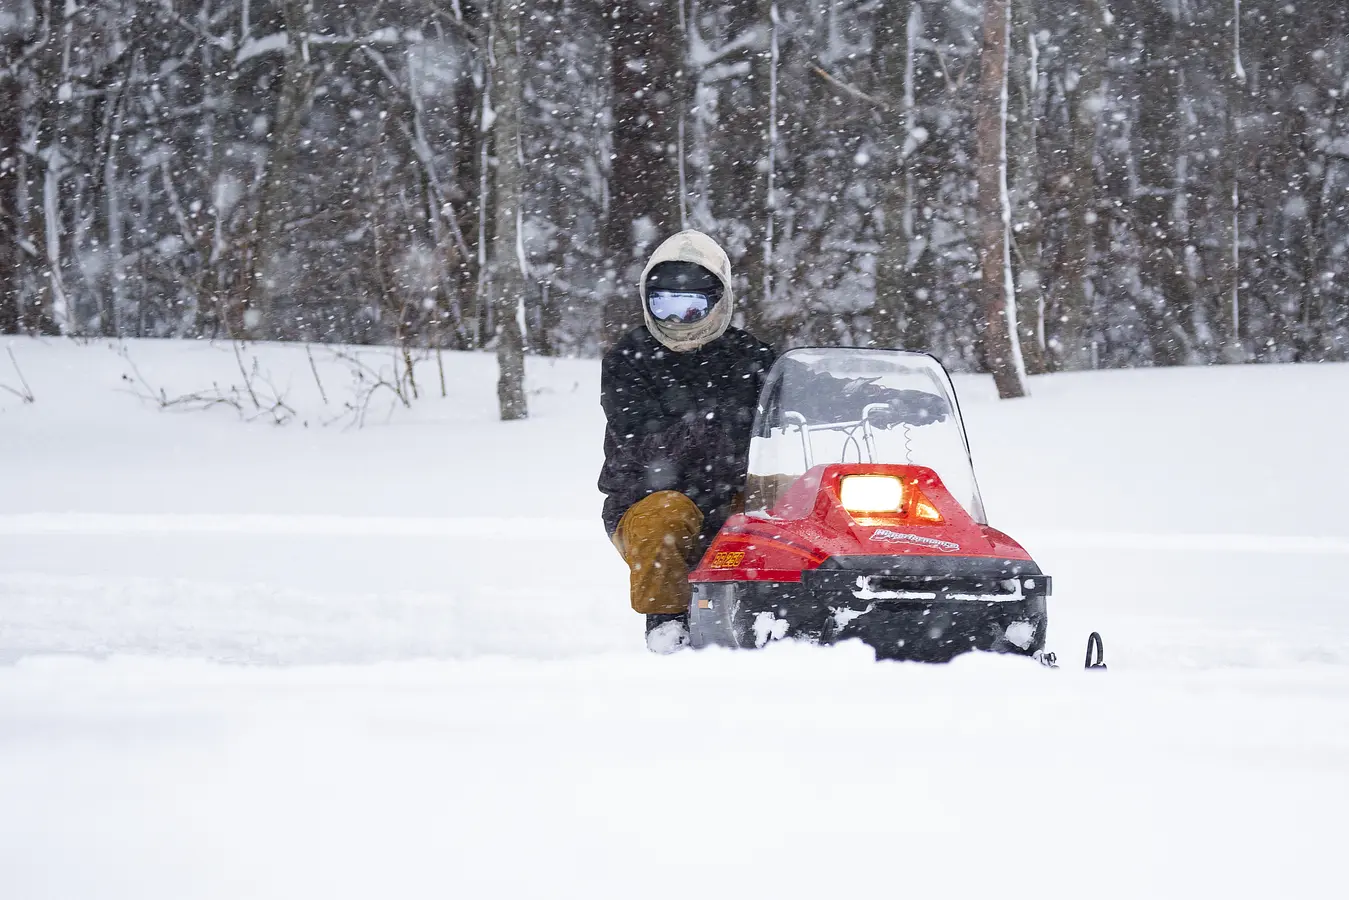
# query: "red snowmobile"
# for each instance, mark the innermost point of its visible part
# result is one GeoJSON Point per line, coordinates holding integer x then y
{"type": "Point", "coordinates": [863, 520]}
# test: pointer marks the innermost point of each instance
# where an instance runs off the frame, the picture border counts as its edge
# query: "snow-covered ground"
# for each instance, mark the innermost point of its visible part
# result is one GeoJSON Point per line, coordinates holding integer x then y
{"type": "Point", "coordinates": [239, 660]}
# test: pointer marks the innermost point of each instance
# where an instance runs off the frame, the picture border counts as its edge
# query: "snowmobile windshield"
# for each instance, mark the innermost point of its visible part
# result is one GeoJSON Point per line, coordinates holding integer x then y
{"type": "Point", "coordinates": [890, 407]}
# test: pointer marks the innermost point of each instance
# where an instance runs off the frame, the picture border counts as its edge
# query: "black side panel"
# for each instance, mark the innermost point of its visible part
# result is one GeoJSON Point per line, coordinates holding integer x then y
{"type": "Point", "coordinates": [938, 632]}
{"type": "Point", "coordinates": [750, 614]}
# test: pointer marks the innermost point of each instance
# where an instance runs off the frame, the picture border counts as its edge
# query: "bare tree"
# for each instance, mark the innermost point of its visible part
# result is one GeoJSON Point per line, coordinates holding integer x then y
{"type": "Point", "coordinates": [738, 73]}
{"type": "Point", "coordinates": [1070, 300]}
{"type": "Point", "coordinates": [508, 260]}
{"type": "Point", "coordinates": [1177, 173]}
{"type": "Point", "coordinates": [34, 58]}
{"type": "Point", "coordinates": [897, 26]}
{"type": "Point", "coordinates": [11, 134]}
{"type": "Point", "coordinates": [646, 56]}
{"type": "Point", "coordinates": [1162, 245]}
{"type": "Point", "coordinates": [1001, 345]}
{"type": "Point", "coordinates": [254, 313]}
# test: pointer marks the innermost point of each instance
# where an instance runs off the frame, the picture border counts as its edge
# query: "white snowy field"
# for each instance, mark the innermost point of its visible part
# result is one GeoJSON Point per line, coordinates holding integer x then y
{"type": "Point", "coordinates": [239, 660]}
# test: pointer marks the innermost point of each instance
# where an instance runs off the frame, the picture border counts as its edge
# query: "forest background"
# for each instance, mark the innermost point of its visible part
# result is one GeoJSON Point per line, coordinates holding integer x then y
{"type": "Point", "coordinates": [448, 173]}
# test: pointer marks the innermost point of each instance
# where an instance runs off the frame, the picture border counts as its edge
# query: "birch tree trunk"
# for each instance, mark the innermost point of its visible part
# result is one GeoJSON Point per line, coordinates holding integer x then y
{"type": "Point", "coordinates": [1023, 141]}
{"type": "Point", "coordinates": [1000, 345]}
{"type": "Point", "coordinates": [507, 260]}
{"type": "Point", "coordinates": [1230, 302]}
{"type": "Point", "coordinates": [112, 305]}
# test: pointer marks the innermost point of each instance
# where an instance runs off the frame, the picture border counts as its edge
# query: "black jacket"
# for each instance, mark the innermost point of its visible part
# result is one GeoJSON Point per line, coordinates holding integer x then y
{"type": "Point", "coordinates": [679, 421]}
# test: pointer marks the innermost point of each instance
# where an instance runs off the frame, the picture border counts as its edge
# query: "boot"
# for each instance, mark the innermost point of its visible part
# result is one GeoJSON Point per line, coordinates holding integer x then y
{"type": "Point", "coordinates": [667, 632]}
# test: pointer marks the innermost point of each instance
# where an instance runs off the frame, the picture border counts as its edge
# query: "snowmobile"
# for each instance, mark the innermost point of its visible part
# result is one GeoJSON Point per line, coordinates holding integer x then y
{"type": "Point", "coordinates": [863, 520]}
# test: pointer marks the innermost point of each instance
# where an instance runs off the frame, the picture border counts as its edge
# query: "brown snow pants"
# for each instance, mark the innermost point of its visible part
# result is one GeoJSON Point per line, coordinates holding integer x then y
{"type": "Point", "coordinates": [658, 537]}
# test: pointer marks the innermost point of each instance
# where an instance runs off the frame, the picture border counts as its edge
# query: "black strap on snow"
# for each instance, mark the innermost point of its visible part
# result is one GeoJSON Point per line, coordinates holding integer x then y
{"type": "Point", "coordinates": [1094, 643]}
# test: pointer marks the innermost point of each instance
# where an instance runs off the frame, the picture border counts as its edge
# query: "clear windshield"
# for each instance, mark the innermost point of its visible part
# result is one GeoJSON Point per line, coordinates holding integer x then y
{"type": "Point", "coordinates": [822, 406]}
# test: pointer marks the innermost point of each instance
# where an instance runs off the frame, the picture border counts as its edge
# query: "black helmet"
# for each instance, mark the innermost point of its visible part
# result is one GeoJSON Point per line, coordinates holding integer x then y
{"type": "Point", "coordinates": [681, 292]}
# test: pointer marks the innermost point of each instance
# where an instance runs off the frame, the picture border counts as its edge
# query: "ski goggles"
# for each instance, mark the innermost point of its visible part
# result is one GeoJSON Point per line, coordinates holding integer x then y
{"type": "Point", "coordinates": [682, 307]}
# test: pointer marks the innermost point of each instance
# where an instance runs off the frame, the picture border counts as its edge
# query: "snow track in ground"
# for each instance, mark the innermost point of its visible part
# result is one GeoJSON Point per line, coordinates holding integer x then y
{"type": "Point", "coordinates": [263, 624]}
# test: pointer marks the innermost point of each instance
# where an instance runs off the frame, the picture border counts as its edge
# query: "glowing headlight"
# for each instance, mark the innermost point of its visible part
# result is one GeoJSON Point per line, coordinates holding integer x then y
{"type": "Point", "coordinates": [871, 493]}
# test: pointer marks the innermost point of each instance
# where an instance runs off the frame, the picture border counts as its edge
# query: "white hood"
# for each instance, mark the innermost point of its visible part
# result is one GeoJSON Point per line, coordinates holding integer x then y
{"type": "Point", "coordinates": [695, 247]}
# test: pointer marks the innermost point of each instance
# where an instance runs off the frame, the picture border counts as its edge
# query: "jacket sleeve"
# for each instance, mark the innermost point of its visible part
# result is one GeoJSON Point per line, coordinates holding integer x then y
{"type": "Point", "coordinates": [761, 358]}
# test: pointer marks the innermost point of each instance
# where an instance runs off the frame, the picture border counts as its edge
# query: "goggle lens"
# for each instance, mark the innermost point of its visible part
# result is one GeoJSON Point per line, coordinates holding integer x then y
{"type": "Point", "coordinates": [683, 307]}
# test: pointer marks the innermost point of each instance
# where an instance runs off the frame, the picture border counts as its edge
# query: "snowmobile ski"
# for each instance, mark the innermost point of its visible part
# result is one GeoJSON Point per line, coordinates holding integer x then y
{"type": "Point", "coordinates": [1095, 651]}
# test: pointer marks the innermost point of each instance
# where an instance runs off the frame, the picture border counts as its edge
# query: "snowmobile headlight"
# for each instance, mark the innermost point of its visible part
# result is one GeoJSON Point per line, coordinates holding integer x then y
{"type": "Point", "coordinates": [871, 493]}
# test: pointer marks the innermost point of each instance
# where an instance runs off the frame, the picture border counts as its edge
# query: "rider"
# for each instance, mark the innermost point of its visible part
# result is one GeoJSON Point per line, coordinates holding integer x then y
{"type": "Point", "coordinates": [679, 395]}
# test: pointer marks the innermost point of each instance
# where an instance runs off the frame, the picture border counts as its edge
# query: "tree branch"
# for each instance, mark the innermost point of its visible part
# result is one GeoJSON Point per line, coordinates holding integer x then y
{"type": "Point", "coordinates": [851, 91]}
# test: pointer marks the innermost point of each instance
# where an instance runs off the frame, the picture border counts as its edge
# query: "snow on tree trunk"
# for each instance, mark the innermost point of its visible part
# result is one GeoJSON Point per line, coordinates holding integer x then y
{"type": "Point", "coordinates": [1240, 157]}
{"type": "Point", "coordinates": [507, 259]}
{"type": "Point", "coordinates": [1234, 351]}
{"type": "Point", "coordinates": [112, 218]}
{"type": "Point", "coordinates": [1024, 152]}
{"type": "Point", "coordinates": [1000, 344]}
{"type": "Point", "coordinates": [51, 214]}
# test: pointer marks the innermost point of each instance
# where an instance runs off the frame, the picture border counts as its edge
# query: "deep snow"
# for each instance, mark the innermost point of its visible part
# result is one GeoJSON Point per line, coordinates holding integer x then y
{"type": "Point", "coordinates": [242, 660]}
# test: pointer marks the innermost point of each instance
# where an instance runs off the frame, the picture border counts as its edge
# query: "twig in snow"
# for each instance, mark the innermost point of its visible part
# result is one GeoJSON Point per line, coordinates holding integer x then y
{"type": "Point", "coordinates": [369, 382]}
{"type": "Point", "coordinates": [271, 403]}
{"type": "Point", "coordinates": [309, 352]}
{"type": "Point", "coordinates": [410, 371]}
{"type": "Point", "coordinates": [26, 395]}
{"type": "Point", "coordinates": [248, 381]}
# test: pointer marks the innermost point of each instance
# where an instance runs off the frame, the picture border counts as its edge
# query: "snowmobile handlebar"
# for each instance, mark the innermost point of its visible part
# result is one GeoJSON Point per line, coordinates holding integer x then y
{"type": "Point", "coordinates": [805, 427]}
